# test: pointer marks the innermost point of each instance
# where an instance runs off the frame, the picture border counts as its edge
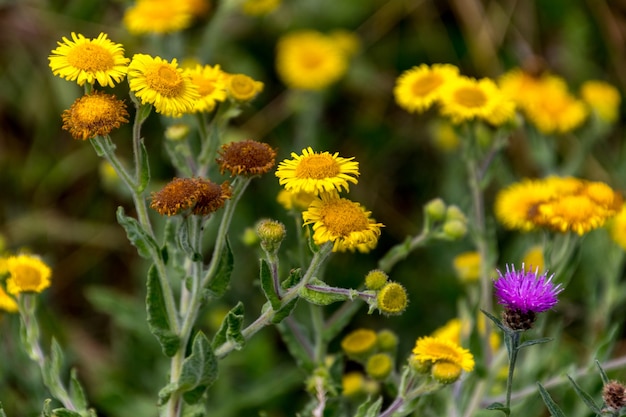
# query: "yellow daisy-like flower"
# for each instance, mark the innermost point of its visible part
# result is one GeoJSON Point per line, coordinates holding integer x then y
{"type": "Point", "coordinates": [603, 98]}
{"type": "Point", "coordinates": [467, 266]}
{"type": "Point", "coordinates": [519, 86]}
{"type": "Point", "coordinates": [309, 60]}
{"type": "Point", "coordinates": [347, 41]}
{"type": "Point", "coordinates": [158, 16]}
{"type": "Point", "coordinates": [298, 201]}
{"type": "Point", "coordinates": [343, 222]}
{"type": "Point", "coordinates": [27, 273]}
{"type": "Point", "coordinates": [392, 299]}
{"type": "Point", "coordinates": [418, 88]}
{"type": "Point", "coordinates": [7, 303]}
{"type": "Point", "coordinates": [617, 228]}
{"type": "Point", "coordinates": [259, 7]}
{"type": "Point", "coordinates": [211, 84]}
{"type": "Point", "coordinates": [314, 172]}
{"type": "Point", "coordinates": [95, 114]}
{"type": "Point", "coordinates": [435, 350]}
{"type": "Point", "coordinates": [162, 84]}
{"type": "Point", "coordinates": [242, 88]}
{"type": "Point", "coordinates": [89, 60]}
{"type": "Point", "coordinates": [463, 99]}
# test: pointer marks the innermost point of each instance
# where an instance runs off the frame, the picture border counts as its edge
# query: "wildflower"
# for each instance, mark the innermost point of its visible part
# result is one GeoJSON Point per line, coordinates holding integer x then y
{"type": "Point", "coordinates": [242, 88]}
{"type": "Point", "coordinates": [359, 343]}
{"type": "Point", "coordinates": [534, 257]}
{"type": "Point", "coordinates": [178, 131]}
{"type": "Point", "coordinates": [211, 84]}
{"type": "Point", "coordinates": [418, 88]}
{"type": "Point", "coordinates": [89, 60]}
{"type": "Point", "coordinates": [271, 233]}
{"type": "Point", "coordinates": [387, 340]}
{"type": "Point", "coordinates": [95, 114]}
{"type": "Point", "coordinates": [457, 330]}
{"type": "Point", "coordinates": [157, 16]}
{"type": "Point", "coordinates": [7, 303]}
{"type": "Point", "coordinates": [162, 84]}
{"type": "Point", "coordinates": [379, 366]}
{"type": "Point", "coordinates": [259, 7]}
{"type": "Point", "coordinates": [614, 395]}
{"type": "Point", "coordinates": [27, 273]}
{"type": "Point", "coordinates": [435, 350]}
{"type": "Point", "coordinates": [314, 172]}
{"type": "Point", "coordinates": [309, 60]}
{"type": "Point", "coordinates": [376, 279]}
{"type": "Point", "coordinates": [523, 294]}
{"type": "Point", "coordinates": [454, 229]}
{"type": "Point", "coordinates": [617, 228]}
{"type": "Point", "coordinates": [352, 383]}
{"type": "Point", "coordinates": [435, 209]}
{"type": "Point", "coordinates": [392, 299]}
{"type": "Point", "coordinates": [444, 136]}
{"type": "Point", "coordinates": [467, 266]}
{"type": "Point", "coordinates": [445, 372]}
{"type": "Point", "coordinates": [463, 99]}
{"type": "Point", "coordinates": [346, 40]}
{"type": "Point", "coordinates": [519, 86]}
{"type": "Point", "coordinates": [246, 157]}
{"type": "Point", "coordinates": [298, 200]}
{"type": "Point", "coordinates": [343, 222]}
{"type": "Point", "coordinates": [201, 196]}
{"type": "Point", "coordinates": [603, 98]}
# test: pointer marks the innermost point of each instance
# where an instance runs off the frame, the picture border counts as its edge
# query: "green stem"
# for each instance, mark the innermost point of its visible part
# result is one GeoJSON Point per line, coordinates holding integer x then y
{"type": "Point", "coordinates": [400, 251]}
{"type": "Point", "coordinates": [514, 338]}
{"type": "Point", "coordinates": [317, 321]}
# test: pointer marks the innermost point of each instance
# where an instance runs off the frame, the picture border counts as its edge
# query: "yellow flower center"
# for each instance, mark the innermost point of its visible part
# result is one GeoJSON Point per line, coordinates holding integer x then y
{"type": "Point", "coordinates": [342, 217]}
{"type": "Point", "coordinates": [426, 84]}
{"type": "Point", "coordinates": [470, 97]}
{"type": "Point", "coordinates": [90, 57]}
{"type": "Point", "coordinates": [242, 87]}
{"type": "Point", "coordinates": [392, 298]}
{"type": "Point", "coordinates": [317, 166]}
{"type": "Point", "coordinates": [165, 80]}
{"type": "Point", "coordinates": [205, 87]}
{"type": "Point", "coordinates": [311, 60]}
{"type": "Point", "coordinates": [94, 109]}
{"type": "Point", "coordinates": [27, 276]}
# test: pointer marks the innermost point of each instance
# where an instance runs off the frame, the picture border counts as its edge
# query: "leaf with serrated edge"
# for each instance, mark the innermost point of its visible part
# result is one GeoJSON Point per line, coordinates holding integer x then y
{"type": "Point", "coordinates": [136, 235]}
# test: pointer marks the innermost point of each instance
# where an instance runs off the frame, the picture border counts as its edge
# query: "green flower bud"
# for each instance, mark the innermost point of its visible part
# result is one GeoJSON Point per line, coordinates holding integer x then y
{"type": "Point", "coordinates": [392, 299]}
{"type": "Point", "coordinates": [271, 233]}
{"type": "Point", "coordinates": [454, 229]}
{"type": "Point", "coordinates": [379, 366]}
{"type": "Point", "coordinates": [387, 340]}
{"type": "Point", "coordinates": [435, 209]}
{"type": "Point", "coordinates": [445, 372]}
{"type": "Point", "coordinates": [376, 279]}
{"type": "Point", "coordinates": [455, 213]}
{"type": "Point", "coordinates": [176, 132]}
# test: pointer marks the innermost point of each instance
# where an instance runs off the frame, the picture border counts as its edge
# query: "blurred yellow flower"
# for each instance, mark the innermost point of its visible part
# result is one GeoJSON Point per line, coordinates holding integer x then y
{"type": "Point", "coordinates": [445, 372]}
{"type": "Point", "coordinates": [259, 7]}
{"type": "Point", "coordinates": [309, 60]}
{"type": "Point", "coordinates": [27, 273]}
{"type": "Point", "coordinates": [242, 88]}
{"type": "Point", "coordinates": [95, 114]}
{"type": "Point", "coordinates": [211, 84]}
{"type": "Point", "coordinates": [379, 366]}
{"type": "Point", "coordinates": [418, 88]}
{"type": "Point", "coordinates": [89, 60]}
{"type": "Point", "coordinates": [347, 41]}
{"type": "Point", "coordinates": [533, 258]}
{"type": "Point", "coordinates": [295, 200]}
{"type": "Point", "coordinates": [162, 84]}
{"type": "Point", "coordinates": [434, 350]}
{"type": "Point", "coordinates": [7, 303]}
{"type": "Point", "coordinates": [617, 227]}
{"type": "Point", "coordinates": [359, 343]}
{"type": "Point", "coordinates": [444, 136]}
{"type": "Point", "coordinates": [352, 383]}
{"type": "Point", "coordinates": [158, 16]}
{"type": "Point", "coordinates": [467, 266]}
{"type": "Point", "coordinates": [603, 98]}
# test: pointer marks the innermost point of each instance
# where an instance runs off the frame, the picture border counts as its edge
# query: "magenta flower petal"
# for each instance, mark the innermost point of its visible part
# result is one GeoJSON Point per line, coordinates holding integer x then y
{"type": "Point", "coordinates": [525, 290]}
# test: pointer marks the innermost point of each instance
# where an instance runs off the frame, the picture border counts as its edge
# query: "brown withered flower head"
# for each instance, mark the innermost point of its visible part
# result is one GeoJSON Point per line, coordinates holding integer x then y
{"type": "Point", "coordinates": [195, 195]}
{"type": "Point", "coordinates": [246, 158]}
{"type": "Point", "coordinates": [614, 395]}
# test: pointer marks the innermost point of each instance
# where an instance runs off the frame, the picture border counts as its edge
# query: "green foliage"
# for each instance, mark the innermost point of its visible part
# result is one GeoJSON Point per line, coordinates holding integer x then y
{"type": "Point", "coordinates": [158, 319]}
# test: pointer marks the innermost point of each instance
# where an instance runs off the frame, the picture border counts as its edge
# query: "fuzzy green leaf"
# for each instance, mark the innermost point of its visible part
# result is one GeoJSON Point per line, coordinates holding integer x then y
{"type": "Point", "coordinates": [295, 275]}
{"type": "Point", "coordinates": [588, 399]}
{"type": "Point", "coordinates": [230, 330]}
{"type": "Point", "coordinates": [144, 167]}
{"type": "Point", "coordinates": [185, 244]}
{"type": "Point", "coordinates": [320, 297]}
{"type": "Point", "coordinates": [499, 407]}
{"type": "Point", "coordinates": [145, 244]}
{"type": "Point", "coordinates": [369, 408]}
{"type": "Point", "coordinates": [46, 411]}
{"type": "Point", "coordinates": [158, 322]}
{"type": "Point", "coordinates": [199, 369]}
{"type": "Point", "coordinates": [77, 393]}
{"type": "Point", "coordinates": [52, 367]}
{"type": "Point", "coordinates": [297, 341]}
{"type": "Point", "coordinates": [534, 342]}
{"type": "Point", "coordinates": [218, 285]}
{"type": "Point", "coordinates": [267, 284]}
{"type": "Point", "coordinates": [553, 408]}
{"type": "Point", "coordinates": [284, 311]}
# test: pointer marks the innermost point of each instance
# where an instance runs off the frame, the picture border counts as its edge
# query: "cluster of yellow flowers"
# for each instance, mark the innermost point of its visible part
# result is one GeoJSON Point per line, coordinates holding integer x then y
{"type": "Point", "coordinates": [560, 204]}
{"type": "Point", "coordinates": [335, 219]}
{"type": "Point", "coordinates": [24, 274]}
{"type": "Point", "coordinates": [173, 91]}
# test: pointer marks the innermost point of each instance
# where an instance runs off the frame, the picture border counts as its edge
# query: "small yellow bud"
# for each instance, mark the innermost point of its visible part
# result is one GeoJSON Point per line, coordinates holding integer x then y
{"type": "Point", "coordinates": [445, 372]}
{"type": "Point", "coordinates": [419, 366]}
{"type": "Point", "coordinates": [359, 343]}
{"type": "Point", "coordinates": [353, 384]}
{"type": "Point", "coordinates": [249, 236]}
{"type": "Point", "coordinates": [271, 233]}
{"type": "Point", "coordinates": [467, 266]}
{"type": "Point", "coordinates": [376, 279]}
{"type": "Point", "coordinates": [435, 209]}
{"type": "Point", "coordinates": [392, 299]}
{"type": "Point", "coordinates": [455, 213]}
{"type": "Point", "coordinates": [177, 132]}
{"type": "Point", "coordinates": [379, 366]}
{"type": "Point", "coordinates": [454, 229]}
{"type": "Point", "coordinates": [387, 340]}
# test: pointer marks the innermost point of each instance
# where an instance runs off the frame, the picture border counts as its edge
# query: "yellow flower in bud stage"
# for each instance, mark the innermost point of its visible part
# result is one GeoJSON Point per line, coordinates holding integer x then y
{"type": "Point", "coordinates": [359, 343]}
{"type": "Point", "coordinates": [309, 60]}
{"type": "Point", "coordinates": [445, 372]}
{"type": "Point", "coordinates": [299, 200]}
{"type": "Point", "coordinates": [387, 340]}
{"type": "Point", "coordinates": [7, 303]}
{"type": "Point", "coordinates": [271, 233]}
{"type": "Point", "coordinates": [376, 279]}
{"type": "Point", "coordinates": [259, 7]}
{"type": "Point", "coordinates": [379, 366]}
{"type": "Point", "coordinates": [242, 88]}
{"type": "Point", "coordinates": [158, 16]}
{"type": "Point", "coordinates": [444, 136]}
{"type": "Point", "coordinates": [161, 83]}
{"type": "Point", "coordinates": [89, 60]}
{"type": "Point", "coordinates": [95, 114]}
{"type": "Point", "coordinates": [27, 273]}
{"type": "Point", "coordinates": [247, 158]}
{"type": "Point", "coordinates": [418, 88]}
{"type": "Point", "coordinates": [434, 350]}
{"type": "Point", "coordinates": [341, 221]}
{"type": "Point", "coordinates": [392, 299]}
{"type": "Point", "coordinates": [353, 384]}
{"type": "Point", "coordinates": [178, 131]}
{"type": "Point", "coordinates": [617, 227]}
{"type": "Point", "coordinates": [211, 84]}
{"type": "Point", "coordinates": [467, 266]}
{"type": "Point", "coordinates": [603, 98]}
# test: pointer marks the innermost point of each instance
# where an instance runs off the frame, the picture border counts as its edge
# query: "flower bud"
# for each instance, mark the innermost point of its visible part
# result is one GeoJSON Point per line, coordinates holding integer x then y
{"type": "Point", "coordinates": [387, 340]}
{"type": "Point", "coordinates": [445, 372]}
{"type": "Point", "coordinates": [392, 299]}
{"type": "Point", "coordinates": [271, 233]}
{"type": "Point", "coordinates": [379, 366]}
{"type": "Point", "coordinates": [435, 209]}
{"type": "Point", "coordinates": [177, 132]}
{"type": "Point", "coordinates": [359, 344]}
{"type": "Point", "coordinates": [455, 213]}
{"type": "Point", "coordinates": [376, 279]}
{"type": "Point", "coordinates": [454, 229]}
{"type": "Point", "coordinates": [614, 395]}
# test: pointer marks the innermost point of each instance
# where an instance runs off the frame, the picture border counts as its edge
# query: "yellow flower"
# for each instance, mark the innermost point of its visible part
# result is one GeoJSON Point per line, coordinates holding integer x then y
{"type": "Point", "coordinates": [309, 60]}
{"type": "Point", "coordinates": [7, 303]}
{"type": "Point", "coordinates": [211, 84]}
{"type": "Point", "coordinates": [95, 114]}
{"type": "Point", "coordinates": [418, 88]}
{"type": "Point", "coordinates": [259, 7]}
{"type": "Point", "coordinates": [379, 366]}
{"type": "Point", "coordinates": [533, 258]}
{"type": "Point", "coordinates": [392, 299]}
{"type": "Point", "coordinates": [89, 60]}
{"type": "Point", "coordinates": [444, 136]}
{"type": "Point", "coordinates": [242, 88]}
{"type": "Point", "coordinates": [162, 84]}
{"type": "Point", "coordinates": [314, 172]}
{"type": "Point", "coordinates": [603, 98]}
{"type": "Point", "coordinates": [158, 16]}
{"type": "Point", "coordinates": [343, 222]}
{"type": "Point", "coordinates": [27, 273]}
{"type": "Point", "coordinates": [519, 86]}
{"type": "Point", "coordinates": [435, 350]}
{"type": "Point", "coordinates": [463, 99]}
{"type": "Point", "coordinates": [376, 279]}
{"type": "Point", "coordinates": [352, 383]}
{"type": "Point", "coordinates": [457, 330]}
{"type": "Point", "coordinates": [617, 228]}
{"type": "Point", "coordinates": [347, 41]}
{"type": "Point", "coordinates": [445, 372]}
{"type": "Point", "coordinates": [450, 331]}
{"type": "Point", "coordinates": [246, 157]}
{"type": "Point", "coordinates": [467, 266]}
{"type": "Point", "coordinates": [299, 200]}
{"type": "Point", "coordinates": [359, 343]}
{"type": "Point", "coordinates": [202, 197]}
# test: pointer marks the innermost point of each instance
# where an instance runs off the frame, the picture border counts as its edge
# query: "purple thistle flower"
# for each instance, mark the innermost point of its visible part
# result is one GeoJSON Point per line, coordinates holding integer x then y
{"type": "Point", "coordinates": [526, 291]}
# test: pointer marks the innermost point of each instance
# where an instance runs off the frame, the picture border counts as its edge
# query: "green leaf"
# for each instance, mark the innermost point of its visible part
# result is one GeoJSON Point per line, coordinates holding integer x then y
{"type": "Point", "coordinates": [496, 321]}
{"type": "Point", "coordinates": [52, 367]}
{"type": "Point", "coordinates": [588, 399]}
{"type": "Point", "coordinates": [46, 411]}
{"type": "Point", "coordinates": [144, 167]}
{"type": "Point", "coordinates": [64, 412]}
{"type": "Point", "coordinates": [199, 369]}
{"type": "Point", "coordinates": [77, 394]}
{"type": "Point", "coordinates": [295, 275]}
{"type": "Point", "coordinates": [369, 408]}
{"type": "Point", "coordinates": [218, 285]}
{"type": "Point", "coordinates": [553, 408]}
{"type": "Point", "coordinates": [145, 244]}
{"type": "Point", "coordinates": [534, 342]}
{"type": "Point", "coordinates": [267, 284]}
{"type": "Point", "coordinates": [320, 297]}
{"type": "Point", "coordinates": [499, 407]}
{"type": "Point", "coordinates": [300, 347]}
{"type": "Point", "coordinates": [284, 311]}
{"type": "Point", "coordinates": [183, 241]}
{"type": "Point", "coordinates": [158, 322]}
{"type": "Point", "coordinates": [603, 375]}
{"type": "Point", "coordinates": [230, 330]}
